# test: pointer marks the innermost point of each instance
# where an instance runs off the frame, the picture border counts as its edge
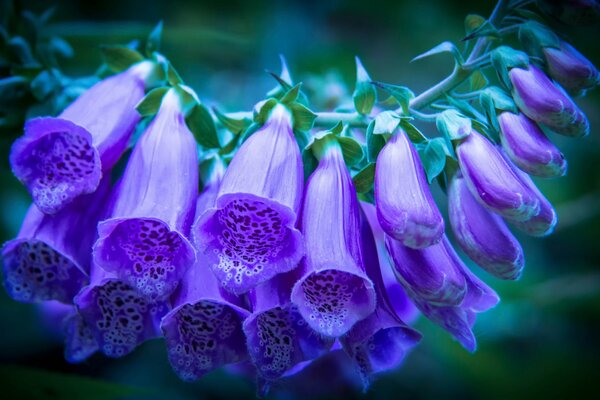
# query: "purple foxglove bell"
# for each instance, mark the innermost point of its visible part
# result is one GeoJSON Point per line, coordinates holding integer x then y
{"type": "Point", "coordinates": [278, 338]}
{"type": "Point", "coordinates": [492, 180]}
{"type": "Point", "coordinates": [119, 317]}
{"type": "Point", "coordinates": [250, 235]}
{"type": "Point", "coordinates": [405, 206]}
{"type": "Point", "coordinates": [61, 158]}
{"type": "Point", "coordinates": [544, 102]}
{"type": "Point", "coordinates": [50, 257]}
{"type": "Point", "coordinates": [65, 321]}
{"type": "Point", "coordinates": [204, 330]}
{"type": "Point", "coordinates": [529, 148]}
{"type": "Point", "coordinates": [458, 319]}
{"type": "Point", "coordinates": [334, 291]}
{"type": "Point", "coordinates": [571, 69]}
{"type": "Point", "coordinates": [144, 242]}
{"type": "Point", "coordinates": [483, 235]}
{"type": "Point", "coordinates": [379, 342]}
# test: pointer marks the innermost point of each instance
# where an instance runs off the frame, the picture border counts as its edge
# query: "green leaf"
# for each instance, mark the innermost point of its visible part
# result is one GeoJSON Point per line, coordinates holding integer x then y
{"type": "Point", "coordinates": [201, 124]}
{"type": "Point", "coordinates": [453, 125]}
{"type": "Point", "coordinates": [352, 150]}
{"type": "Point", "coordinates": [414, 134]}
{"type": "Point", "coordinates": [234, 125]}
{"type": "Point", "coordinates": [374, 143]}
{"type": "Point", "coordinates": [445, 47]}
{"type": "Point", "coordinates": [154, 39]}
{"type": "Point", "coordinates": [477, 81]}
{"type": "Point", "coordinates": [402, 94]}
{"type": "Point", "coordinates": [365, 95]}
{"type": "Point", "coordinates": [433, 157]}
{"type": "Point", "coordinates": [386, 123]}
{"type": "Point", "coordinates": [303, 118]}
{"type": "Point", "coordinates": [364, 179]}
{"type": "Point", "coordinates": [472, 22]}
{"type": "Point", "coordinates": [150, 104]}
{"type": "Point", "coordinates": [119, 58]}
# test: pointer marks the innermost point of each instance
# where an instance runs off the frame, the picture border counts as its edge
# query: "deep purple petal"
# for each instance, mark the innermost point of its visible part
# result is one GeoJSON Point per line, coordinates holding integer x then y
{"type": "Point", "coordinates": [529, 148]}
{"type": "Point", "coordinates": [405, 206]}
{"type": "Point", "coordinates": [492, 181]}
{"type": "Point", "coordinates": [483, 235]}
{"type": "Point", "coordinates": [80, 343]}
{"type": "Point", "coordinates": [571, 69]}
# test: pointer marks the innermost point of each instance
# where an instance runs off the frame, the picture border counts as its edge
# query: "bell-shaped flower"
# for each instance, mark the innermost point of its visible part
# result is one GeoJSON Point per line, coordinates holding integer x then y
{"type": "Point", "coordinates": [405, 206]}
{"type": "Point", "coordinates": [50, 257]}
{"type": "Point", "coordinates": [204, 329]}
{"type": "Point", "coordinates": [571, 69]}
{"type": "Point", "coordinates": [481, 234]}
{"type": "Point", "coordinates": [492, 181]}
{"type": "Point", "coordinates": [278, 338]}
{"type": "Point", "coordinates": [119, 317]}
{"type": "Point", "coordinates": [529, 148]}
{"type": "Point", "coordinates": [144, 241]}
{"type": "Point", "coordinates": [59, 159]}
{"type": "Point", "coordinates": [458, 318]}
{"type": "Point", "coordinates": [334, 291]}
{"type": "Point", "coordinates": [250, 235]}
{"type": "Point", "coordinates": [544, 102]}
{"type": "Point", "coordinates": [379, 342]}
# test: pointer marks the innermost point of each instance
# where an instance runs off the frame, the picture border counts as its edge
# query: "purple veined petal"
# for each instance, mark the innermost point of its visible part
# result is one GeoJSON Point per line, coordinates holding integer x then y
{"type": "Point", "coordinates": [50, 257]}
{"type": "Point", "coordinates": [481, 234]}
{"type": "Point", "coordinates": [432, 275]}
{"type": "Point", "coordinates": [571, 69]}
{"type": "Point", "coordinates": [144, 242]}
{"type": "Point", "coordinates": [492, 180]}
{"type": "Point", "coordinates": [278, 337]}
{"type": "Point", "coordinates": [529, 148]}
{"type": "Point", "coordinates": [544, 102]}
{"type": "Point", "coordinates": [118, 316]}
{"type": "Point", "coordinates": [457, 321]}
{"type": "Point", "coordinates": [405, 206]}
{"type": "Point", "coordinates": [204, 330]}
{"type": "Point", "coordinates": [59, 159]}
{"type": "Point", "coordinates": [334, 291]}
{"type": "Point", "coordinates": [480, 297]}
{"type": "Point", "coordinates": [250, 235]}
{"type": "Point", "coordinates": [379, 342]}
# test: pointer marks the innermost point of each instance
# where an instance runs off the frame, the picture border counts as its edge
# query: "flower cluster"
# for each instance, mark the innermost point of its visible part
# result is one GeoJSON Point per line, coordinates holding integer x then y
{"type": "Point", "coordinates": [262, 266]}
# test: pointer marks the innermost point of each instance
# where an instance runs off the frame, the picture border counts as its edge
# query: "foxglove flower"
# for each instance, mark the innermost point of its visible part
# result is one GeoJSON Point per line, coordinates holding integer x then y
{"type": "Point", "coordinates": [119, 317]}
{"type": "Point", "coordinates": [529, 148]}
{"type": "Point", "coordinates": [334, 291]}
{"type": "Point", "coordinates": [144, 242]}
{"type": "Point", "coordinates": [542, 101]}
{"type": "Point", "coordinates": [250, 235]}
{"type": "Point", "coordinates": [278, 338]}
{"type": "Point", "coordinates": [492, 180]}
{"type": "Point", "coordinates": [59, 159]}
{"type": "Point", "coordinates": [571, 69]}
{"type": "Point", "coordinates": [50, 257]}
{"type": "Point", "coordinates": [379, 342]}
{"type": "Point", "coordinates": [204, 330]}
{"type": "Point", "coordinates": [483, 235]}
{"type": "Point", "coordinates": [458, 318]}
{"type": "Point", "coordinates": [405, 206]}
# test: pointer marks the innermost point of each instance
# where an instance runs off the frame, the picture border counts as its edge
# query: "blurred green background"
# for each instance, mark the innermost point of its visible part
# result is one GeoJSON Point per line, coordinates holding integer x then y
{"type": "Point", "coordinates": [542, 340]}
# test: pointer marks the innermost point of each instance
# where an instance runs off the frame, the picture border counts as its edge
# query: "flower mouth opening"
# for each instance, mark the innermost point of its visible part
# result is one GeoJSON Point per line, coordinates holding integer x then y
{"type": "Point", "coordinates": [34, 271]}
{"type": "Point", "coordinates": [146, 254]}
{"type": "Point", "coordinates": [332, 301]}
{"type": "Point", "coordinates": [57, 166]}
{"type": "Point", "coordinates": [203, 336]}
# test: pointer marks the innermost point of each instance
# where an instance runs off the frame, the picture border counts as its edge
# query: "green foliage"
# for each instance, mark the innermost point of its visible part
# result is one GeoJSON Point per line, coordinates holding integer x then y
{"type": "Point", "coordinates": [365, 95]}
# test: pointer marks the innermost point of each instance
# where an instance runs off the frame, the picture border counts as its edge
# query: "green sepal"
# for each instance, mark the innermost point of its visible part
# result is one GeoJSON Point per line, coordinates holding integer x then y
{"type": "Point", "coordinates": [463, 106]}
{"type": "Point", "coordinates": [291, 95]}
{"type": "Point", "coordinates": [284, 79]}
{"type": "Point", "coordinates": [535, 37]}
{"type": "Point", "coordinates": [352, 151]}
{"type": "Point", "coordinates": [365, 95]}
{"type": "Point", "coordinates": [233, 125]}
{"type": "Point", "coordinates": [445, 47]}
{"type": "Point", "coordinates": [154, 39]}
{"type": "Point", "coordinates": [453, 125]}
{"type": "Point", "coordinates": [374, 143]}
{"type": "Point", "coordinates": [433, 157]}
{"type": "Point", "coordinates": [473, 22]}
{"type": "Point", "coordinates": [150, 104]}
{"type": "Point", "coordinates": [505, 58]}
{"type": "Point", "coordinates": [386, 123]}
{"type": "Point", "coordinates": [201, 124]}
{"type": "Point", "coordinates": [494, 100]}
{"type": "Point", "coordinates": [413, 133]}
{"type": "Point", "coordinates": [119, 58]}
{"type": "Point", "coordinates": [486, 29]}
{"type": "Point", "coordinates": [402, 94]}
{"type": "Point", "coordinates": [172, 75]}
{"type": "Point", "coordinates": [302, 117]}
{"type": "Point", "coordinates": [262, 111]}
{"type": "Point", "coordinates": [364, 179]}
{"type": "Point", "coordinates": [478, 81]}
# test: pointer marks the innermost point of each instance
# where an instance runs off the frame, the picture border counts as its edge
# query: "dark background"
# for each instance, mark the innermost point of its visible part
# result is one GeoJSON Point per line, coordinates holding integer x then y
{"type": "Point", "coordinates": [544, 337]}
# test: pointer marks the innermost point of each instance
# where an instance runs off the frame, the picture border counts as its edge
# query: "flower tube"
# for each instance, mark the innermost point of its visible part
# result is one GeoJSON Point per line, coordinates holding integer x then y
{"type": "Point", "coordinates": [542, 101]}
{"type": "Point", "coordinates": [381, 341]}
{"type": "Point", "coordinates": [529, 148]}
{"type": "Point", "coordinates": [204, 330]}
{"type": "Point", "coordinates": [571, 69]}
{"type": "Point", "coordinates": [144, 242]}
{"type": "Point", "coordinates": [50, 257]}
{"type": "Point", "coordinates": [250, 235]}
{"type": "Point", "coordinates": [405, 206]}
{"type": "Point", "coordinates": [492, 180]}
{"type": "Point", "coordinates": [334, 291]}
{"type": "Point", "coordinates": [59, 159]}
{"type": "Point", "coordinates": [278, 338]}
{"type": "Point", "coordinates": [483, 235]}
